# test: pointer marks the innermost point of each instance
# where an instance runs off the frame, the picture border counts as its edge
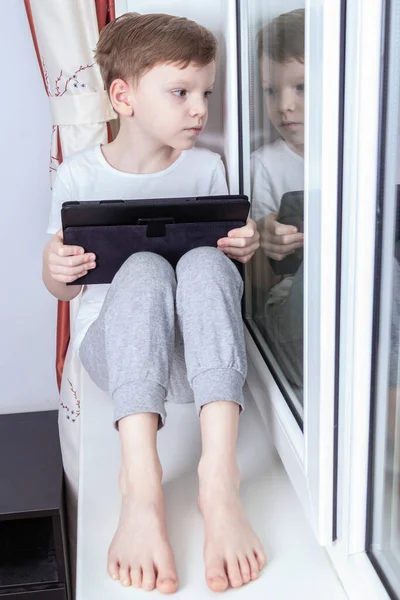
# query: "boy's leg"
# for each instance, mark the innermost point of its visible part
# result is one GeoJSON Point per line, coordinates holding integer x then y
{"type": "Point", "coordinates": [233, 553]}
{"type": "Point", "coordinates": [127, 351]}
{"type": "Point", "coordinates": [209, 313]}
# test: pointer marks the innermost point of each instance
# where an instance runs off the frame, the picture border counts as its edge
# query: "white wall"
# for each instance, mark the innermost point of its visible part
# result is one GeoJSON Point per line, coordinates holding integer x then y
{"type": "Point", "coordinates": [27, 311]}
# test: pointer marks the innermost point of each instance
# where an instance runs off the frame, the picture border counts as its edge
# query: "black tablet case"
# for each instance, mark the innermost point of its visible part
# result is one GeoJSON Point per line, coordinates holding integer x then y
{"type": "Point", "coordinates": [115, 229]}
{"type": "Point", "coordinates": [291, 212]}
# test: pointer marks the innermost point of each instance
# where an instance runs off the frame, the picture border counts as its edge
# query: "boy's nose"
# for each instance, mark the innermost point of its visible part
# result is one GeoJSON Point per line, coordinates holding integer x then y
{"type": "Point", "coordinates": [286, 102]}
{"type": "Point", "coordinates": [199, 108]}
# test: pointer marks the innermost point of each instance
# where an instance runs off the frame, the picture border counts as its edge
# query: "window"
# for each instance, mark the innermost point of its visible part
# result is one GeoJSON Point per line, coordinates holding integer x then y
{"type": "Point", "coordinates": [291, 138]}
{"type": "Point", "coordinates": [277, 130]}
{"type": "Point", "coordinates": [383, 541]}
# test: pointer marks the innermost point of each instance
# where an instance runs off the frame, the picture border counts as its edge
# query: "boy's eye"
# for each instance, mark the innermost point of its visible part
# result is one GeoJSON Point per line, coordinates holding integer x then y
{"type": "Point", "coordinates": [208, 93]}
{"type": "Point", "coordinates": [300, 87]}
{"type": "Point", "coordinates": [179, 93]}
{"type": "Point", "coordinates": [269, 91]}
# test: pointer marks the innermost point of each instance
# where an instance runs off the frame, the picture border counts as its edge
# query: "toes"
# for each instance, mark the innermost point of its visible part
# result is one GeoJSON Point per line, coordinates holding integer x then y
{"type": "Point", "coordinates": [217, 582]}
{"type": "Point", "coordinates": [167, 584]}
{"type": "Point", "coordinates": [235, 578]}
{"type": "Point", "coordinates": [244, 569]}
{"type": "Point", "coordinates": [254, 566]}
{"type": "Point", "coordinates": [261, 559]}
{"type": "Point", "coordinates": [167, 580]}
{"type": "Point", "coordinates": [216, 576]}
{"type": "Point", "coordinates": [149, 577]}
{"type": "Point", "coordinates": [113, 569]}
{"type": "Point", "coordinates": [136, 577]}
{"type": "Point", "coordinates": [124, 575]}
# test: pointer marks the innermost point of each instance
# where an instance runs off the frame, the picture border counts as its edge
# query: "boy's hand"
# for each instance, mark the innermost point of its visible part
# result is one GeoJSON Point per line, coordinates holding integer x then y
{"type": "Point", "coordinates": [67, 263]}
{"type": "Point", "coordinates": [278, 240]}
{"type": "Point", "coordinates": [241, 243]}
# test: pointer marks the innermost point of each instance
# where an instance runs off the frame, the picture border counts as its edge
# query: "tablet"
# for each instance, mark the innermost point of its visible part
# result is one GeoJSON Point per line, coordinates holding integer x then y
{"type": "Point", "coordinates": [115, 229]}
{"type": "Point", "coordinates": [291, 212]}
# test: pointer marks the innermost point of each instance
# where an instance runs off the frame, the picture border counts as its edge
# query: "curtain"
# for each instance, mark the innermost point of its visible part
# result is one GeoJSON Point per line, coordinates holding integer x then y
{"type": "Point", "coordinates": [65, 33]}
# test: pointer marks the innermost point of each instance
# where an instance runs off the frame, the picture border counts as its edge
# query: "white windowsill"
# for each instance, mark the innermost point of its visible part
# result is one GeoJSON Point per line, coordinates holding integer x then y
{"type": "Point", "coordinates": [298, 567]}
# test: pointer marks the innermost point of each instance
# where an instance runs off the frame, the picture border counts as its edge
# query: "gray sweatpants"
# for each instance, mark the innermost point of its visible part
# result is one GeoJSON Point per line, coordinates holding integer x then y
{"type": "Point", "coordinates": [169, 335]}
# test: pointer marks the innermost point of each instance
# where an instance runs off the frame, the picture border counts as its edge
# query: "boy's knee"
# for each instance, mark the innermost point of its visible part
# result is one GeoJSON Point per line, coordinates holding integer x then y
{"type": "Point", "coordinates": [207, 260]}
{"type": "Point", "coordinates": [204, 257]}
{"type": "Point", "coordinates": [147, 264]}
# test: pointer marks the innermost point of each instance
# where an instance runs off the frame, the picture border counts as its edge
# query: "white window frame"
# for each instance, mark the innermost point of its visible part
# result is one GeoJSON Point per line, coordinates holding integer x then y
{"type": "Point", "coordinates": [362, 123]}
{"type": "Point", "coordinates": [358, 252]}
{"type": "Point", "coordinates": [360, 188]}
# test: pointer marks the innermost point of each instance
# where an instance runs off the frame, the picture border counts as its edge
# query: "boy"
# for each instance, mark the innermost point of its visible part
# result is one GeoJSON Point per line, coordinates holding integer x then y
{"type": "Point", "coordinates": [278, 168]}
{"type": "Point", "coordinates": [137, 334]}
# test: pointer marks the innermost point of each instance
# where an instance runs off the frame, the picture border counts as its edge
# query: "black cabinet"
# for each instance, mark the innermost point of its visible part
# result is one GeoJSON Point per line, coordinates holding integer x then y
{"type": "Point", "coordinates": [33, 537]}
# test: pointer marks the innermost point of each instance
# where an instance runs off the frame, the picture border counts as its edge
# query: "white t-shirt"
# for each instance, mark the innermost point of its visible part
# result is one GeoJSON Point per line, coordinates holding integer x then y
{"type": "Point", "coordinates": [275, 170]}
{"type": "Point", "coordinates": [88, 176]}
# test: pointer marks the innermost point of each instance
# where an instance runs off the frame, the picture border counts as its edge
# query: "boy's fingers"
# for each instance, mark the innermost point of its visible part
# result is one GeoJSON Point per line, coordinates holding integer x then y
{"type": "Point", "coordinates": [280, 229]}
{"type": "Point", "coordinates": [72, 261]}
{"type": "Point", "coordinates": [265, 222]}
{"type": "Point", "coordinates": [243, 258]}
{"type": "Point", "coordinates": [240, 241]}
{"type": "Point", "coordinates": [273, 227]}
{"type": "Point", "coordinates": [283, 240]}
{"type": "Point", "coordinates": [232, 242]}
{"type": "Point", "coordinates": [231, 251]}
{"type": "Point", "coordinates": [246, 231]}
{"type": "Point", "coordinates": [70, 250]}
{"type": "Point", "coordinates": [78, 270]}
{"type": "Point", "coordinates": [283, 249]}
{"type": "Point", "coordinates": [279, 252]}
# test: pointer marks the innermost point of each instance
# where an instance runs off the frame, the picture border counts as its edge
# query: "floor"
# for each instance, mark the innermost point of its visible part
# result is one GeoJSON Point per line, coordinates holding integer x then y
{"type": "Point", "coordinates": [298, 567]}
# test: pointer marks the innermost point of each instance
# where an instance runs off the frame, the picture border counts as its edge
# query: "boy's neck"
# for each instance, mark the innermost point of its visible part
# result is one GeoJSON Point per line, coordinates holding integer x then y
{"type": "Point", "coordinates": [133, 151]}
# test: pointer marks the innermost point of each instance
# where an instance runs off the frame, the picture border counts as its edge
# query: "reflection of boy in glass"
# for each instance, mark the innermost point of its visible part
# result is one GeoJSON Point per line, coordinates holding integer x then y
{"type": "Point", "coordinates": [278, 168]}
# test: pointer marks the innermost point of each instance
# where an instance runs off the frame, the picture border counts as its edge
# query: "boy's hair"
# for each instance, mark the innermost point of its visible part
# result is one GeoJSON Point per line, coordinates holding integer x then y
{"type": "Point", "coordinates": [135, 43]}
{"type": "Point", "coordinates": [283, 38]}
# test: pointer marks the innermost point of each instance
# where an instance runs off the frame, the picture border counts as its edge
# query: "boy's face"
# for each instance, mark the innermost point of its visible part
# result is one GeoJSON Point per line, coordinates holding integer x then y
{"type": "Point", "coordinates": [283, 84]}
{"type": "Point", "coordinates": [170, 104]}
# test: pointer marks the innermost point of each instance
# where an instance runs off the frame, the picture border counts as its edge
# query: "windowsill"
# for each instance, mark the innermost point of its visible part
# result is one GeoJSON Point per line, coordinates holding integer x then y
{"type": "Point", "coordinates": [297, 566]}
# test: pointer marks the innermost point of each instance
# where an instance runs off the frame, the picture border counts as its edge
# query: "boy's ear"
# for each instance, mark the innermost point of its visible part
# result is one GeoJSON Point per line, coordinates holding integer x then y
{"type": "Point", "coordinates": [120, 96]}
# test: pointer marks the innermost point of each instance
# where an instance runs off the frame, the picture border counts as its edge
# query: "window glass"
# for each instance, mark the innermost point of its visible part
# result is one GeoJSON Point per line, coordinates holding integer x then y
{"type": "Point", "coordinates": [384, 534]}
{"type": "Point", "coordinates": [277, 88]}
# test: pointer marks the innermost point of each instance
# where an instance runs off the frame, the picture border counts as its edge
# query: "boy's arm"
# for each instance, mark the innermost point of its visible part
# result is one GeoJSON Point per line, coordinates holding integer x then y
{"type": "Point", "coordinates": [59, 289]}
{"type": "Point", "coordinates": [63, 264]}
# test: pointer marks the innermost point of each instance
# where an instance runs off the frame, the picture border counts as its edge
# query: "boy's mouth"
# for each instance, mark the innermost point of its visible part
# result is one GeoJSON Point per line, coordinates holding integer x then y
{"type": "Point", "coordinates": [290, 124]}
{"type": "Point", "coordinates": [194, 130]}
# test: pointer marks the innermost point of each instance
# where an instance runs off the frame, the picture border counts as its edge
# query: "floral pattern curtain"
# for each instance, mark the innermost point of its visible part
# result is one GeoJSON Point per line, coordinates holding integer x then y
{"type": "Point", "coordinates": [65, 33]}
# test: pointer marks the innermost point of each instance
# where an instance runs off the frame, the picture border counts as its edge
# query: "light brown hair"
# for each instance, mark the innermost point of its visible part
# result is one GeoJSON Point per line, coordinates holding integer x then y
{"type": "Point", "coordinates": [134, 43]}
{"type": "Point", "coordinates": [283, 38]}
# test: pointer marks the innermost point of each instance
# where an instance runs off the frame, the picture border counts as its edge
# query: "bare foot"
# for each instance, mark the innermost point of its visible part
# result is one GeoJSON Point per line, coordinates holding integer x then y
{"type": "Point", "coordinates": [233, 554]}
{"type": "Point", "coordinates": [140, 554]}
